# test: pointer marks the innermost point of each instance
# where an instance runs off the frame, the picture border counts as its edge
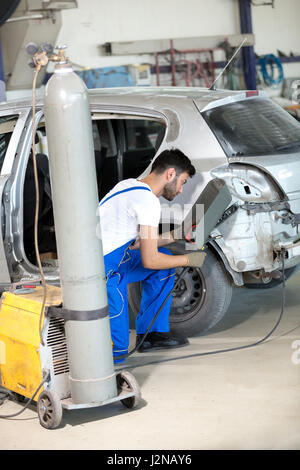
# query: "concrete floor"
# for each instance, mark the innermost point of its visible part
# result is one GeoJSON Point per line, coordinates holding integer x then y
{"type": "Point", "coordinates": [247, 399]}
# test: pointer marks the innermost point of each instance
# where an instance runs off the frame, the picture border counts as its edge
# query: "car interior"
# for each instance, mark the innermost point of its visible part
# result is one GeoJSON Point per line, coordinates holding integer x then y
{"type": "Point", "coordinates": [123, 149]}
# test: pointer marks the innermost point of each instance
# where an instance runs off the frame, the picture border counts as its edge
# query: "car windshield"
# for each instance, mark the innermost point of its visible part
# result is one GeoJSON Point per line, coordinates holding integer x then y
{"type": "Point", "coordinates": [254, 127]}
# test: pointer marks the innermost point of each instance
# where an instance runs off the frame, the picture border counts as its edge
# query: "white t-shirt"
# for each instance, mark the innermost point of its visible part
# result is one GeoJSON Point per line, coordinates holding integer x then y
{"type": "Point", "coordinates": [121, 214]}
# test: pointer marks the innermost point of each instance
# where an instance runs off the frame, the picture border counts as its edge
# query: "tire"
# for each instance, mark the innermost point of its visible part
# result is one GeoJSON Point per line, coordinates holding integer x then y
{"type": "Point", "coordinates": [49, 409]}
{"type": "Point", "coordinates": [273, 282]}
{"type": "Point", "coordinates": [200, 300]}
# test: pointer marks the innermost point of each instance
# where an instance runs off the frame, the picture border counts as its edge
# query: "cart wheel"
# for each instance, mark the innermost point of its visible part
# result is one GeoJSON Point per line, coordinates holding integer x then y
{"type": "Point", "coordinates": [49, 409]}
{"type": "Point", "coordinates": [126, 382]}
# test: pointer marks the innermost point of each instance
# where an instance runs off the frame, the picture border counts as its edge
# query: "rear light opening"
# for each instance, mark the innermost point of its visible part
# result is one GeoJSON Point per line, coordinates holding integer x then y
{"type": "Point", "coordinates": [251, 93]}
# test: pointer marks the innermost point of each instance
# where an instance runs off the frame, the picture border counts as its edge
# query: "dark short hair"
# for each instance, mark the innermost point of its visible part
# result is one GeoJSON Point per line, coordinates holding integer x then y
{"type": "Point", "coordinates": [173, 158]}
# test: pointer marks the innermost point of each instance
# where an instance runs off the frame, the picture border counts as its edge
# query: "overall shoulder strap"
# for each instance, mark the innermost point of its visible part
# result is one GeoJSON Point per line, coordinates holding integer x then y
{"type": "Point", "coordinates": [124, 191]}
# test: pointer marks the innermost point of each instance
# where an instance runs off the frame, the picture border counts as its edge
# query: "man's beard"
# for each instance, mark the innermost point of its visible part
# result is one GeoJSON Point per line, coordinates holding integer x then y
{"type": "Point", "coordinates": [169, 191]}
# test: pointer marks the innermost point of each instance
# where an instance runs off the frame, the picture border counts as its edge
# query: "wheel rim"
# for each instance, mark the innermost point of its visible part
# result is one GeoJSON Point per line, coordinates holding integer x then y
{"type": "Point", "coordinates": [188, 296]}
{"type": "Point", "coordinates": [46, 410]}
{"type": "Point", "coordinates": [124, 385]}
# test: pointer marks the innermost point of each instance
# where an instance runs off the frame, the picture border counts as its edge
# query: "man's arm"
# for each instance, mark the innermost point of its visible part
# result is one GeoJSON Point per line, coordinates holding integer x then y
{"type": "Point", "coordinates": [151, 257]}
{"type": "Point", "coordinates": [162, 240]}
{"type": "Point", "coordinates": [165, 239]}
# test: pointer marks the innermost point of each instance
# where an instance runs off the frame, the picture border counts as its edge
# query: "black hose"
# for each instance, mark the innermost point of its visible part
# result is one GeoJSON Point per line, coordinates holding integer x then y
{"type": "Point", "coordinates": [206, 353]}
{"type": "Point", "coordinates": [237, 348]}
{"type": "Point", "coordinates": [4, 395]}
{"type": "Point", "coordinates": [136, 348]}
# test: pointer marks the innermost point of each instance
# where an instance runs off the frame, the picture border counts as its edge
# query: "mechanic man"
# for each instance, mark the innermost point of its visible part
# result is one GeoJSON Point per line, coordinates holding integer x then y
{"type": "Point", "coordinates": [133, 251]}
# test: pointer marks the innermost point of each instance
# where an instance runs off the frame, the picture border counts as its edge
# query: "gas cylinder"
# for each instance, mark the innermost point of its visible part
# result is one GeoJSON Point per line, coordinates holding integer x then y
{"type": "Point", "coordinates": [80, 256]}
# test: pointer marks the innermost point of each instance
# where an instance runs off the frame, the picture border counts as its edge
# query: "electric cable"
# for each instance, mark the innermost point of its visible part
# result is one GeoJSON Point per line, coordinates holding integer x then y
{"type": "Point", "coordinates": [206, 353]}
{"type": "Point", "coordinates": [4, 395]}
{"type": "Point", "coordinates": [236, 348]}
{"type": "Point", "coordinates": [137, 347]}
{"type": "Point", "coordinates": [45, 379]}
{"type": "Point", "coordinates": [36, 182]}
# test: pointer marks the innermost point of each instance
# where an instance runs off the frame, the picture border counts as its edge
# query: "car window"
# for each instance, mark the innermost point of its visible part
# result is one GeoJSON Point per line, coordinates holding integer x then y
{"type": "Point", "coordinates": [7, 125]}
{"type": "Point", "coordinates": [104, 137]}
{"type": "Point", "coordinates": [254, 127]}
{"type": "Point", "coordinates": [142, 133]}
{"type": "Point", "coordinates": [106, 155]}
{"type": "Point", "coordinates": [124, 148]}
{"type": "Point", "coordinates": [142, 140]}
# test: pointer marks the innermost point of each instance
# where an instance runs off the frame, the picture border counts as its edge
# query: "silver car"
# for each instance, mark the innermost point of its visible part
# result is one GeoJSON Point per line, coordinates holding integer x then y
{"type": "Point", "coordinates": [240, 137]}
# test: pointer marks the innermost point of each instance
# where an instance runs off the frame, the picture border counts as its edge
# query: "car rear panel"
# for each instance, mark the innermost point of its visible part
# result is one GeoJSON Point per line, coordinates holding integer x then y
{"type": "Point", "coordinates": [285, 170]}
{"type": "Point", "coordinates": [255, 131]}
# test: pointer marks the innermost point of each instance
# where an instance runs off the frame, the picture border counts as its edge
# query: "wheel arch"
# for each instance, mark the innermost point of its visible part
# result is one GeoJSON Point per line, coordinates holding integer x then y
{"type": "Point", "coordinates": [237, 277]}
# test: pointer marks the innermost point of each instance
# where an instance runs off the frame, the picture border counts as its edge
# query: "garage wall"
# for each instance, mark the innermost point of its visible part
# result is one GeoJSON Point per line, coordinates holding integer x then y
{"type": "Point", "coordinates": [98, 21]}
{"type": "Point", "coordinates": [278, 28]}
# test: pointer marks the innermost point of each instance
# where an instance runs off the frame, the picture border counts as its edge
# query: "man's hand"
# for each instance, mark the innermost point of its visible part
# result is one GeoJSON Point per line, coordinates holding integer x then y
{"type": "Point", "coordinates": [137, 244]}
{"type": "Point", "coordinates": [195, 258]}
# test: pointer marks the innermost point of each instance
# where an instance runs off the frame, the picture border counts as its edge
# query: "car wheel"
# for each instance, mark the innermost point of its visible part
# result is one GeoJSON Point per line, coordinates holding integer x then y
{"type": "Point", "coordinates": [199, 301]}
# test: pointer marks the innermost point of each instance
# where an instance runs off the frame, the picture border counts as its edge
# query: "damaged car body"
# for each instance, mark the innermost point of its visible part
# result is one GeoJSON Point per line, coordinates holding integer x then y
{"type": "Point", "coordinates": [241, 138]}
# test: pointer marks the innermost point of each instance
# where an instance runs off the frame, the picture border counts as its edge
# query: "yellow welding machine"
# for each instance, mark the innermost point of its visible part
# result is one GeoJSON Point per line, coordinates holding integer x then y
{"type": "Point", "coordinates": [23, 358]}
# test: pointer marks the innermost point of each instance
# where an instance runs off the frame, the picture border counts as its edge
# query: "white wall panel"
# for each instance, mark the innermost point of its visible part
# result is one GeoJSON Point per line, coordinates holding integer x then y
{"type": "Point", "coordinates": [278, 28]}
{"type": "Point", "coordinates": [98, 21]}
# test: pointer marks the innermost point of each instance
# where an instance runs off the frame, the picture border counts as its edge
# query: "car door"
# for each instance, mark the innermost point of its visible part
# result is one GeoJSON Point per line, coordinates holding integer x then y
{"type": "Point", "coordinates": [12, 122]}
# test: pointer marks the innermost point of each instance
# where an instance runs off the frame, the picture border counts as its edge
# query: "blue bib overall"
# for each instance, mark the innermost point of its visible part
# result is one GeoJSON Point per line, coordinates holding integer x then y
{"type": "Point", "coordinates": [123, 266]}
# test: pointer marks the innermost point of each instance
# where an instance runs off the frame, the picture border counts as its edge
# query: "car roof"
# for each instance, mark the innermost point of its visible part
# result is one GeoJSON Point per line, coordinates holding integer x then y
{"type": "Point", "coordinates": [143, 96]}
